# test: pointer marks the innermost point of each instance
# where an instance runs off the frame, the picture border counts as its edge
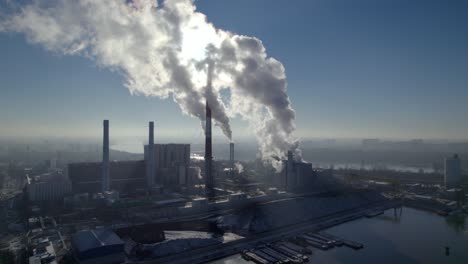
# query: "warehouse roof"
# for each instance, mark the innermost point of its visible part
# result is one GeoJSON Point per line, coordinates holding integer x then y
{"type": "Point", "coordinates": [96, 242]}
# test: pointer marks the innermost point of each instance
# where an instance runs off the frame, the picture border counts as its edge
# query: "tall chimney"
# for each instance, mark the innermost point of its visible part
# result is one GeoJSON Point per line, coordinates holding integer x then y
{"type": "Point", "coordinates": [231, 158]}
{"type": "Point", "coordinates": [209, 182]}
{"type": "Point", "coordinates": [150, 172]}
{"type": "Point", "coordinates": [105, 158]}
{"type": "Point", "coordinates": [290, 177]}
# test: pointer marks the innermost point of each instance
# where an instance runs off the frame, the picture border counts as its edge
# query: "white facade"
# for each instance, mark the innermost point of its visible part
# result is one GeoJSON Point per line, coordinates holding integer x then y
{"type": "Point", "coordinates": [47, 187]}
{"type": "Point", "coordinates": [453, 174]}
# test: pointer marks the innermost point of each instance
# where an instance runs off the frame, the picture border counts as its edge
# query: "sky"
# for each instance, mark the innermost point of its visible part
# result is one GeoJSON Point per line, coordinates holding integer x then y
{"type": "Point", "coordinates": [356, 69]}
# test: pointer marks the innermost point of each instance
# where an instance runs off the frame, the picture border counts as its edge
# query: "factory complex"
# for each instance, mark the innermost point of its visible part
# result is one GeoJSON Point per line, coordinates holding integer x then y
{"type": "Point", "coordinates": [168, 205]}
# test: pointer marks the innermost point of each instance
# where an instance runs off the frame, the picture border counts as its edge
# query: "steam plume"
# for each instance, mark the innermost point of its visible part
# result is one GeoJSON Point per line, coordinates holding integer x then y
{"type": "Point", "coordinates": [171, 51]}
{"type": "Point", "coordinates": [239, 167]}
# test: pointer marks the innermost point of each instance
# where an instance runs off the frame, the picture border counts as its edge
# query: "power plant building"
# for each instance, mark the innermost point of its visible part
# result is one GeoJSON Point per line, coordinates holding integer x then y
{"type": "Point", "coordinates": [296, 175]}
{"type": "Point", "coordinates": [47, 187]}
{"type": "Point", "coordinates": [125, 176]}
{"type": "Point", "coordinates": [171, 163]}
{"type": "Point", "coordinates": [452, 172]}
{"type": "Point", "coordinates": [164, 165]}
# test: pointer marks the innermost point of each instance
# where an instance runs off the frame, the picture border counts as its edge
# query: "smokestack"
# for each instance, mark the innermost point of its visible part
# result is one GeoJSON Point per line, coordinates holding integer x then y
{"type": "Point", "coordinates": [105, 158]}
{"type": "Point", "coordinates": [209, 182]}
{"type": "Point", "coordinates": [231, 158]}
{"type": "Point", "coordinates": [150, 157]}
{"type": "Point", "coordinates": [262, 85]}
{"type": "Point", "coordinates": [290, 171]}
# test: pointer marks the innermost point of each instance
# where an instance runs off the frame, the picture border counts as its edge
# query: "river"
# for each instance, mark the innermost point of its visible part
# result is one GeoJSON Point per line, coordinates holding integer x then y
{"type": "Point", "coordinates": [413, 236]}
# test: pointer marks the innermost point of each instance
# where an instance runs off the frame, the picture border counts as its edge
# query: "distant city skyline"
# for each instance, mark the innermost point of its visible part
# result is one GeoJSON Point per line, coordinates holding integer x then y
{"type": "Point", "coordinates": [366, 69]}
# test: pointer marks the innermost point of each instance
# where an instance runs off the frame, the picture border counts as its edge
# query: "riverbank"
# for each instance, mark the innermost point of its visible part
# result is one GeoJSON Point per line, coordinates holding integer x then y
{"type": "Point", "coordinates": [335, 217]}
{"type": "Point", "coordinates": [406, 237]}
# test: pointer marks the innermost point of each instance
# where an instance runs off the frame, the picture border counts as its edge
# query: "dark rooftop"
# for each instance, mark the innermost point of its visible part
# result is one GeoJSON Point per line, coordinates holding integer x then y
{"type": "Point", "coordinates": [96, 242]}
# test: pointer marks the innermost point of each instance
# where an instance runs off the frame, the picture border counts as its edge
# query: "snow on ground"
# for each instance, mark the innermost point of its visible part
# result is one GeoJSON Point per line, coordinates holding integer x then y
{"type": "Point", "coordinates": [179, 241]}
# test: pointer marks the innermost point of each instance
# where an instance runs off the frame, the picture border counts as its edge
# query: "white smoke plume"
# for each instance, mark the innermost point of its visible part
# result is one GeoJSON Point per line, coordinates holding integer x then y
{"type": "Point", "coordinates": [239, 167]}
{"type": "Point", "coordinates": [170, 50]}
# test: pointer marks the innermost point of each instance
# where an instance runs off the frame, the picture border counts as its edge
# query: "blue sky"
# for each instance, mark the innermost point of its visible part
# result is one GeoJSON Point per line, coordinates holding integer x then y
{"type": "Point", "coordinates": [356, 69]}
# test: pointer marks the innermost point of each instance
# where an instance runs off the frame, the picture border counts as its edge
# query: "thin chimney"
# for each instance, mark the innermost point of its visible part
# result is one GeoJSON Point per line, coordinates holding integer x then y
{"type": "Point", "coordinates": [231, 158]}
{"type": "Point", "coordinates": [105, 158]}
{"type": "Point", "coordinates": [150, 155]}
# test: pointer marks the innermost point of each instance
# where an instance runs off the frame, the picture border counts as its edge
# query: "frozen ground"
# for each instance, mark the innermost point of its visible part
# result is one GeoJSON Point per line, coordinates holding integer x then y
{"type": "Point", "coordinates": [179, 241]}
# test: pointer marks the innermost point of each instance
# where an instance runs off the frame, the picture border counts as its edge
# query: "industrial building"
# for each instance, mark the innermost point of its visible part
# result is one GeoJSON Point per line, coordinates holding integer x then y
{"type": "Point", "coordinates": [125, 176]}
{"type": "Point", "coordinates": [296, 175]}
{"type": "Point", "coordinates": [452, 172]}
{"type": "Point", "coordinates": [101, 246]}
{"type": "Point", "coordinates": [171, 164]}
{"type": "Point", "coordinates": [165, 165]}
{"type": "Point", "coordinates": [45, 245]}
{"type": "Point", "coordinates": [47, 187]}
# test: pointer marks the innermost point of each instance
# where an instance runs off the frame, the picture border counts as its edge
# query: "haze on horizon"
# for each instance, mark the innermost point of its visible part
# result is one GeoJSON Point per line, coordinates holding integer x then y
{"type": "Point", "coordinates": [393, 69]}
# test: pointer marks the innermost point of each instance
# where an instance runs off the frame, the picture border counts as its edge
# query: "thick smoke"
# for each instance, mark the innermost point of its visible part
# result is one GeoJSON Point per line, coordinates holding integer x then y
{"type": "Point", "coordinates": [171, 51]}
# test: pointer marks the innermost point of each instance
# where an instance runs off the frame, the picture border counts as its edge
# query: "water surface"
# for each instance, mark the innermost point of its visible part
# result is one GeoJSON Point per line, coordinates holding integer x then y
{"type": "Point", "coordinates": [413, 236]}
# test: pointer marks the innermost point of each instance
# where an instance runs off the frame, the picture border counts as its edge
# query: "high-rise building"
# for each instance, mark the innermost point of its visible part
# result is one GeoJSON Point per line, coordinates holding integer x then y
{"type": "Point", "coordinates": [453, 174]}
